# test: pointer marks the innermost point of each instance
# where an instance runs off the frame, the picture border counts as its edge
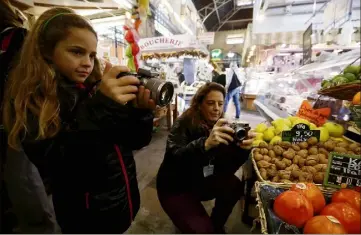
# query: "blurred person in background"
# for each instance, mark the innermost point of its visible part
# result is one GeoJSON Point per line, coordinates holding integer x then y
{"type": "Point", "coordinates": [22, 191]}
{"type": "Point", "coordinates": [233, 84]}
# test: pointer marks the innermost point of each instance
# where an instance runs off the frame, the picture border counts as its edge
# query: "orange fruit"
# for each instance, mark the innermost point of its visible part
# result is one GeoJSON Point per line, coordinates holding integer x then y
{"type": "Point", "coordinates": [357, 99]}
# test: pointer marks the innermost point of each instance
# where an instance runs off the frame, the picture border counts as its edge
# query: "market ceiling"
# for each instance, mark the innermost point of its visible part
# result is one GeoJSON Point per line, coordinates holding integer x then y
{"type": "Point", "coordinates": [221, 15]}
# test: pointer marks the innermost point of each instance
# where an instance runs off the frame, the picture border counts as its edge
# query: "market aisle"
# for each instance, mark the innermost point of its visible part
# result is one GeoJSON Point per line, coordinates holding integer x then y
{"type": "Point", "coordinates": [151, 217]}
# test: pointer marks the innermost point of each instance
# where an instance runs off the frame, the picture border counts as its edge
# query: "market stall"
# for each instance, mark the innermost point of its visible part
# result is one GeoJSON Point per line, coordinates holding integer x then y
{"type": "Point", "coordinates": [307, 158]}
{"type": "Point", "coordinates": [175, 55]}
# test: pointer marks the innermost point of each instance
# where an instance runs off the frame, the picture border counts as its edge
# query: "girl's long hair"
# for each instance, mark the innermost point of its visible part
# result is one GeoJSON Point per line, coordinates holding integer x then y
{"type": "Point", "coordinates": [32, 85]}
{"type": "Point", "coordinates": [194, 111]}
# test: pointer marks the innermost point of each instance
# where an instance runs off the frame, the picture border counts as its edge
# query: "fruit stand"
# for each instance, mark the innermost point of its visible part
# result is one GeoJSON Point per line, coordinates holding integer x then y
{"type": "Point", "coordinates": [307, 162]}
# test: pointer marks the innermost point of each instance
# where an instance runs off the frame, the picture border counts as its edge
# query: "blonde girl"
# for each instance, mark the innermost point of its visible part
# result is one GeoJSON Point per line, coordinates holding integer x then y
{"type": "Point", "coordinates": [81, 141]}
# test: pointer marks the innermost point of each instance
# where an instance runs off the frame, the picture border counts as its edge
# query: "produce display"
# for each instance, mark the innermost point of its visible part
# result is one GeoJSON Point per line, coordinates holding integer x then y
{"type": "Point", "coordinates": [355, 109]}
{"type": "Point", "coordinates": [351, 74]}
{"type": "Point", "coordinates": [304, 206]}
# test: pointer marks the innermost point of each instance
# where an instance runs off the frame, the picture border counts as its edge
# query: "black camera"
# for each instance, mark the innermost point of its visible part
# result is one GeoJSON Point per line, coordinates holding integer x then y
{"type": "Point", "coordinates": [160, 91]}
{"type": "Point", "coordinates": [240, 130]}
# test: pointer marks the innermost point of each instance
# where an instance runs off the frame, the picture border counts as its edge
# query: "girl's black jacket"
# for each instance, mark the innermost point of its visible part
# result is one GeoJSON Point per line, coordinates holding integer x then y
{"type": "Point", "coordinates": [90, 162]}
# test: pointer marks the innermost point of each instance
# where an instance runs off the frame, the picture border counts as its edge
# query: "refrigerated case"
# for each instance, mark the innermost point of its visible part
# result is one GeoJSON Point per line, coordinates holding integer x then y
{"type": "Point", "coordinates": [283, 93]}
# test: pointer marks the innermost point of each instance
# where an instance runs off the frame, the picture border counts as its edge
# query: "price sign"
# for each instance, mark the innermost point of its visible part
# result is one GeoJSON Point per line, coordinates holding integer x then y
{"type": "Point", "coordinates": [300, 133]}
{"type": "Point", "coordinates": [343, 171]}
{"type": "Point", "coordinates": [316, 116]}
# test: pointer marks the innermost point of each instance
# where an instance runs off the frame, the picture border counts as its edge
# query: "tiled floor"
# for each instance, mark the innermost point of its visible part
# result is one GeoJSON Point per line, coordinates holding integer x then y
{"type": "Point", "coordinates": [151, 217]}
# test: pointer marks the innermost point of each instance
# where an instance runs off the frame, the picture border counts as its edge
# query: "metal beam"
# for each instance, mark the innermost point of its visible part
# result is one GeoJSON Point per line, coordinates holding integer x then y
{"type": "Point", "coordinates": [240, 20]}
{"type": "Point", "coordinates": [215, 6]}
{"type": "Point", "coordinates": [217, 27]}
{"type": "Point", "coordinates": [221, 4]}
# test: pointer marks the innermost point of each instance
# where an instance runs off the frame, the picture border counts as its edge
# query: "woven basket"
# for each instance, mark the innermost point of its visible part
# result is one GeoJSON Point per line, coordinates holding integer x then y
{"type": "Point", "coordinates": [342, 92]}
{"type": "Point", "coordinates": [262, 214]}
{"type": "Point", "coordinates": [267, 181]}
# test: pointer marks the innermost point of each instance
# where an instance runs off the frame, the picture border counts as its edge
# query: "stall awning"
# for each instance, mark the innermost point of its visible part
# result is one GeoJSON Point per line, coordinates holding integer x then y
{"type": "Point", "coordinates": [174, 43]}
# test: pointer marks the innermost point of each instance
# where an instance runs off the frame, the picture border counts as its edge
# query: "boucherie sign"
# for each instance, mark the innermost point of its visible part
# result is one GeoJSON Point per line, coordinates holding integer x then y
{"type": "Point", "coordinates": [166, 43]}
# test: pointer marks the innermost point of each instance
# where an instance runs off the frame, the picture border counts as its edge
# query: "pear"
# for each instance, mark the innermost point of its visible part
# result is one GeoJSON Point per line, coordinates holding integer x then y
{"type": "Point", "coordinates": [268, 134]}
{"type": "Point", "coordinates": [260, 128]}
{"type": "Point", "coordinates": [324, 135]}
{"type": "Point", "coordinates": [301, 120]}
{"type": "Point", "coordinates": [334, 129]}
{"type": "Point", "coordinates": [259, 136]}
{"type": "Point", "coordinates": [275, 140]}
{"type": "Point", "coordinates": [313, 126]}
{"type": "Point", "coordinates": [292, 119]}
{"type": "Point", "coordinates": [279, 129]}
{"type": "Point", "coordinates": [256, 143]}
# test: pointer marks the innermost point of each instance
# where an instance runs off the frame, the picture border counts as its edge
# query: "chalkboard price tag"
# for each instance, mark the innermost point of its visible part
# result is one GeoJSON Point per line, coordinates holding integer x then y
{"type": "Point", "coordinates": [300, 133]}
{"type": "Point", "coordinates": [343, 171]}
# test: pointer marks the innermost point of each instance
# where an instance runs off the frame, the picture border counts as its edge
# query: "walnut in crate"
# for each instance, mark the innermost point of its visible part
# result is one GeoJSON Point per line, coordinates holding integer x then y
{"type": "Point", "coordinates": [278, 150]}
{"type": "Point", "coordinates": [264, 151]}
{"type": "Point", "coordinates": [296, 147]}
{"type": "Point", "coordinates": [309, 169]}
{"type": "Point", "coordinates": [270, 147]}
{"type": "Point", "coordinates": [306, 177]}
{"type": "Point", "coordinates": [292, 167]}
{"type": "Point", "coordinates": [280, 165]}
{"type": "Point", "coordinates": [303, 145]}
{"type": "Point", "coordinates": [340, 150]}
{"type": "Point", "coordinates": [323, 151]}
{"type": "Point", "coordinates": [312, 160]}
{"type": "Point", "coordinates": [303, 153]}
{"type": "Point", "coordinates": [323, 158]}
{"type": "Point", "coordinates": [343, 145]}
{"type": "Point", "coordinates": [321, 144]}
{"type": "Point", "coordinates": [353, 147]}
{"type": "Point", "coordinates": [330, 145]}
{"type": "Point", "coordinates": [256, 150]}
{"type": "Point", "coordinates": [263, 173]}
{"type": "Point", "coordinates": [258, 157]}
{"type": "Point", "coordinates": [263, 164]}
{"type": "Point", "coordinates": [312, 141]}
{"type": "Point", "coordinates": [272, 154]}
{"type": "Point", "coordinates": [285, 181]}
{"type": "Point", "coordinates": [289, 154]}
{"type": "Point", "coordinates": [272, 172]}
{"type": "Point", "coordinates": [357, 151]}
{"type": "Point", "coordinates": [287, 161]}
{"type": "Point", "coordinates": [318, 177]}
{"type": "Point", "coordinates": [283, 174]}
{"type": "Point", "coordinates": [263, 145]}
{"type": "Point", "coordinates": [276, 179]}
{"type": "Point", "coordinates": [313, 151]}
{"type": "Point", "coordinates": [321, 167]}
{"type": "Point", "coordinates": [296, 174]}
{"type": "Point", "coordinates": [267, 158]}
{"type": "Point", "coordinates": [285, 145]}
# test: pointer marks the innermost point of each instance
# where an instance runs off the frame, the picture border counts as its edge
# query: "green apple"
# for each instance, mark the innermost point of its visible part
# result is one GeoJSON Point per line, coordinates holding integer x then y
{"type": "Point", "coordinates": [313, 126]}
{"type": "Point", "coordinates": [350, 77]}
{"type": "Point", "coordinates": [301, 120]}
{"type": "Point", "coordinates": [334, 129]}
{"type": "Point", "coordinates": [260, 128]}
{"type": "Point", "coordinates": [279, 129]}
{"type": "Point", "coordinates": [268, 134]}
{"type": "Point", "coordinates": [324, 135]}
{"type": "Point", "coordinates": [292, 119]}
{"type": "Point", "coordinates": [354, 69]}
{"type": "Point", "coordinates": [259, 136]}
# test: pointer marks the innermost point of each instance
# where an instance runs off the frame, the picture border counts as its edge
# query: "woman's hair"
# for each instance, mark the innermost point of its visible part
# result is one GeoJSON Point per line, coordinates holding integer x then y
{"type": "Point", "coordinates": [8, 16]}
{"type": "Point", "coordinates": [32, 84]}
{"type": "Point", "coordinates": [194, 111]}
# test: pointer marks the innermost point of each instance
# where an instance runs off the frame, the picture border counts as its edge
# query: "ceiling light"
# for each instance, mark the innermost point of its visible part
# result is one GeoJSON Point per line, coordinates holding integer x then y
{"type": "Point", "coordinates": [260, 17]}
{"type": "Point", "coordinates": [230, 54]}
{"type": "Point", "coordinates": [244, 3]}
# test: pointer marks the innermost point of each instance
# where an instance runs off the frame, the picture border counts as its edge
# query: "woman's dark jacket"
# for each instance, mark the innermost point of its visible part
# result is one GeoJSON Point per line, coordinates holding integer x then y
{"type": "Point", "coordinates": [90, 162]}
{"type": "Point", "coordinates": [185, 157]}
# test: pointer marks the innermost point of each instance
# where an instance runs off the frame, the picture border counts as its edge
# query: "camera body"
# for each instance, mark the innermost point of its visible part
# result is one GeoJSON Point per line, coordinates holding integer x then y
{"type": "Point", "coordinates": [160, 91]}
{"type": "Point", "coordinates": [240, 130]}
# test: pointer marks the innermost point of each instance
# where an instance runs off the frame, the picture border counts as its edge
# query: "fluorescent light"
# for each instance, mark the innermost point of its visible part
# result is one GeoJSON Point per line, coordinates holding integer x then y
{"type": "Point", "coordinates": [244, 2]}
{"type": "Point", "coordinates": [260, 17]}
{"type": "Point", "coordinates": [235, 40]}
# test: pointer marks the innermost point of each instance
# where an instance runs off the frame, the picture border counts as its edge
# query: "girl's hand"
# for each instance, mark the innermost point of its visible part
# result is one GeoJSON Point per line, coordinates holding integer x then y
{"type": "Point", "coordinates": [247, 143]}
{"type": "Point", "coordinates": [220, 134]}
{"type": "Point", "coordinates": [143, 99]}
{"type": "Point", "coordinates": [121, 90]}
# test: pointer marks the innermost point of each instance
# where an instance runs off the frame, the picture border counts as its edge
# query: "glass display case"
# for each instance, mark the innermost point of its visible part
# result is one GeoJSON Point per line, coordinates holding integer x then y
{"type": "Point", "coordinates": [282, 94]}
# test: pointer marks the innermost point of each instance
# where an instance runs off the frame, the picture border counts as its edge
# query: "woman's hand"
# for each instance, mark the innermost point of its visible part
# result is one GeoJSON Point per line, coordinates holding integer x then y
{"type": "Point", "coordinates": [247, 143]}
{"type": "Point", "coordinates": [143, 99]}
{"type": "Point", "coordinates": [120, 90]}
{"type": "Point", "coordinates": [220, 134]}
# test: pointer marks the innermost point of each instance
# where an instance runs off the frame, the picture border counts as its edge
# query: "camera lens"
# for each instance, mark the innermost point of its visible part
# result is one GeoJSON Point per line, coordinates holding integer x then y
{"type": "Point", "coordinates": [240, 134]}
{"type": "Point", "coordinates": [161, 91]}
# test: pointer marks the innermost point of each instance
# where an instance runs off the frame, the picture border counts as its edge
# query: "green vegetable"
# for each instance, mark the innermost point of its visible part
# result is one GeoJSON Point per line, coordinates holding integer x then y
{"type": "Point", "coordinates": [350, 77]}
{"type": "Point", "coordinates": [354, 69]}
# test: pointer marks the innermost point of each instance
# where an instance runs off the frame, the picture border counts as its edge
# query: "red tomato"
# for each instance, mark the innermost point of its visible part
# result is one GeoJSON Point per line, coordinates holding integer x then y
{"type": "Point", "coordinates": [324, 225]}
{"type": "Point", "coordinates": [313, 194]}
{"type": "Point", "coordinates": [293, 208]}
{"type": "Point", "coordinates": [349, 196]}
{"type": "Point", "coordinates": [348, 216]}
